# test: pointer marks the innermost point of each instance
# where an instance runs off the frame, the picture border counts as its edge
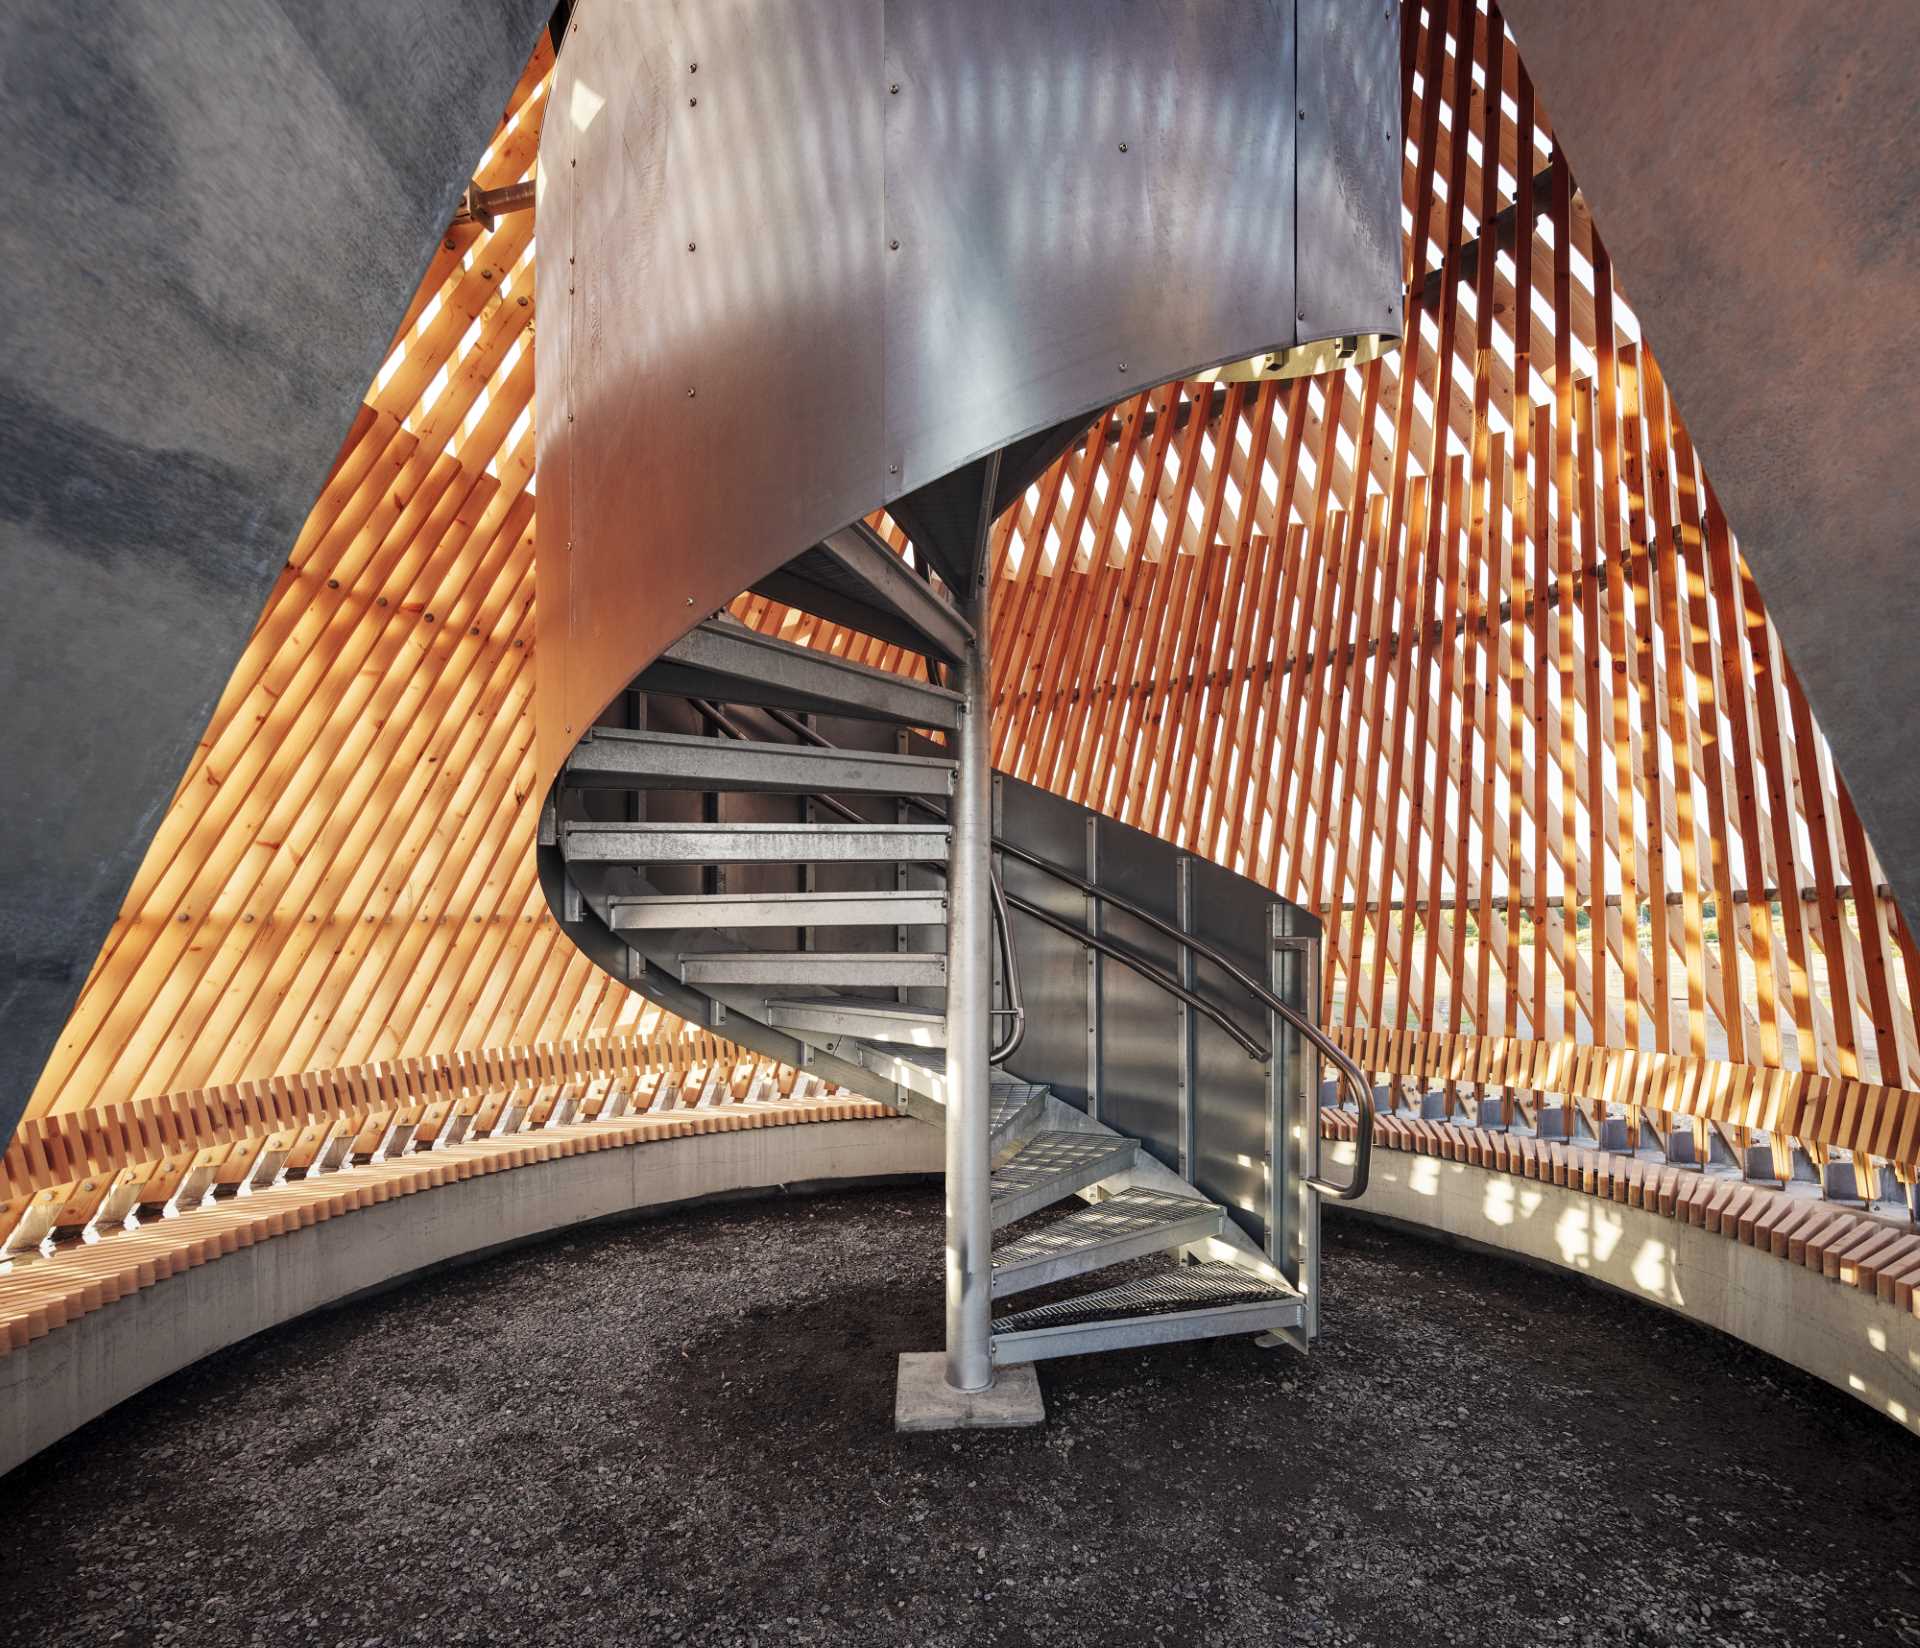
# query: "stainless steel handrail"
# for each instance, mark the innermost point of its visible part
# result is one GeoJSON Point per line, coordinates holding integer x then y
{"type": "Point", "coordinates": [1141, 965]}
{"type": "Point", "coordinates": [1350, 1072]}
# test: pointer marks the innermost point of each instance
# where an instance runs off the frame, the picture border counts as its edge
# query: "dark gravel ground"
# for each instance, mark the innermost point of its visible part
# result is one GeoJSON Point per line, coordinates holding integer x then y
{"type": "Point", "coordinates": [681, 1432]}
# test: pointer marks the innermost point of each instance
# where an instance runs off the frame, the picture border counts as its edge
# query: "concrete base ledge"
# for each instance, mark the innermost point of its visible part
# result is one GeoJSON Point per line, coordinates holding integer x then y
{"type": "Point", "coordinates": [60, 1382]}
{"type": "Point", "coordinates": [1839, 1334]}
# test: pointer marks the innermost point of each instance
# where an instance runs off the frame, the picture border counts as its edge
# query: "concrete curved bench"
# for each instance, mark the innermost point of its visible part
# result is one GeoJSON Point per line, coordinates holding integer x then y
{"type": "Point", "coordinates": [1833, 1291]}
{"type": "Point", "coordinates": [92, 1325]}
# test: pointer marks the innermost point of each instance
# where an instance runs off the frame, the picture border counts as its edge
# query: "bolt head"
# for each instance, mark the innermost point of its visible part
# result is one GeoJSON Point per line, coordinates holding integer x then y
{"type": "Point", "coordinates": [1123, 148]}
{"type": "Point", "coordinates": [893, 246]}
{"type": "Point", "coordinates": [689, 394]}
{"type": "Point", "coordinates": [690, 246]}
{"type": "Point", "coordinates": [895, 88]}
{"type": "Point", "coordinates": [694, 103]}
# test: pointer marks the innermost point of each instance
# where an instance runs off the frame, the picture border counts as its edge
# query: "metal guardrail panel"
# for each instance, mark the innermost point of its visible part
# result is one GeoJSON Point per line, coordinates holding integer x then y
{"type": "Point", "coordinates": [1068, 138]}
{"type": "Point", "coordinates": [1230, 1090]}
{"type": "Point", "coordinates": [1347, 259]}
{"type": "Point", "coordinates": [796, 261]}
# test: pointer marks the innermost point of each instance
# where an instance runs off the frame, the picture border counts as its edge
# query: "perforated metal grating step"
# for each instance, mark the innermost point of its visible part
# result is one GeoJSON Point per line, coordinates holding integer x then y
{"type": "Point", "coordinates": [1131, 1213]}
{"type": "Point", "coordinates": [1052, 1165]}
{"type": "Point", "coordinates": [1010, 1102]}
{"type": "Point", "coordinates": [1187, 1288]}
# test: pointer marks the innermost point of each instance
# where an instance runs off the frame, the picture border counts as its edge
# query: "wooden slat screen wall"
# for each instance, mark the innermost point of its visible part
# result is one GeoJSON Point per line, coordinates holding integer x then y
{"type": "Point", "coordinates": [1457, 648]}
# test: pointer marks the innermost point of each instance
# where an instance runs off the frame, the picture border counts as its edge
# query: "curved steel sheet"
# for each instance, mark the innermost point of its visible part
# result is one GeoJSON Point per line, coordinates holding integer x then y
{"type": "Point", "coordinates": [777, 292]}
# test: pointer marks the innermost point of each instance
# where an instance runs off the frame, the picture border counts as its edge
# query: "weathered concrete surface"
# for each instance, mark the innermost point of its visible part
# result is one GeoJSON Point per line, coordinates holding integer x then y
{"type": "Point", "coordinates": [1865, 1348]}
{"type": "Point", "coordinates": [1751, 170]}
{"type": "Point", "coordinates": [77, 1372]}
{"type": "Point", "coordinates": [212, 219]}
{"type": "Point", "coordinates": [924, 1401]}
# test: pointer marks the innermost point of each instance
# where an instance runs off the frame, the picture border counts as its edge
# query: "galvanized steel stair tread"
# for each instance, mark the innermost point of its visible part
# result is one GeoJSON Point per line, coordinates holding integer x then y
{"type": "Point", "coordinates": [1180, 1290]}
{"type": "Point", "coordinates": [634, 759]}
{"type": "Point", "coordinates": [726, 843]}
{"type": "Point", "coordinates": [1050, 1166]}
{"type": "Point", "coordinates": [871, 968]}
{"type": "Point", "coordinates": [1133, 1212]}
{"type": "Point", "coordinates": [724, 659]}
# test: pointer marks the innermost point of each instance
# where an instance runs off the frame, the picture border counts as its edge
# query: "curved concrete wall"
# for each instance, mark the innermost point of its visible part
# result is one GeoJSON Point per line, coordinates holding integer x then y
{"type": "Point", "coordinates": [59, 1382]}
{"type": "Point", "coordinates": [1838, 1334]}
{"type": "Point", "coordinates": [1755, 186]}
{"type": "Point", "coordinates": [211, 218]}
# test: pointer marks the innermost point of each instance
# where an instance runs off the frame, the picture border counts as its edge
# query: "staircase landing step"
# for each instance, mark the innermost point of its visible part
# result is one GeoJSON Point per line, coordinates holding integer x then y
{"type": "Point", "coordinates": [1191, 1302]}
{"type": "Point", "coordinates": [1127, 1226]}
{"type": "Point", "coordinates": [1050, 1166]}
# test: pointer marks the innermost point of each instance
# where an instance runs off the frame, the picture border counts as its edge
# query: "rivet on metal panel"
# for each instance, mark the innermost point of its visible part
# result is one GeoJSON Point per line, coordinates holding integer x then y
{"type": "Point", "coordinates": [1123, 366]}
{"type": "Point", "coordinates": [1123, 148]}
{"type": "Point", "coordinates": [693, 68]}
{"type": "Point", "coordinates": [895, 88]}
{"type": "Point", "coordinates": [689, 246]}
{"type": "Point", "coordinates": [693, 102]}
{"type": "Point", "coordinates": [893, 469]}
{"type": "Point", "coordinates": [689, 393]}
{"type": "Point", "coordinates": [893, 246]}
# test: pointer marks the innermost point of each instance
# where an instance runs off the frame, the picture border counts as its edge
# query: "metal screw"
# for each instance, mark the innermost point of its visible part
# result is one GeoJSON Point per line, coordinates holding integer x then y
{"type": "Point", "coordinates": [893, 246]}
{"type": "Point", "coordinates": [333, 583]}
{"type": "Point", "coordinates": [1303, 114]}
{"type": "Point", "coordinates": [693, 102]}
{"type": "Point", "coordinates": [1123, 366]}
{"type": "Point", "coordinates": [689, 600]}
{"type": "Point", "coordinates": [895, 88]}
{"type": "Point", "coordinates": [689, 246]}
{"type": "Point", "coordinates": [1123, 148]}
{"type": "Point", "coordinates": [523, 303]}
{"type": "Point", "coordinates": [429, 617]}
{"type": "Point", "coordinates": [689, 394]}
{"type": "Point", "coordinates": [893, 469]}
{"type": "Point", "coordinates": [486, 274]}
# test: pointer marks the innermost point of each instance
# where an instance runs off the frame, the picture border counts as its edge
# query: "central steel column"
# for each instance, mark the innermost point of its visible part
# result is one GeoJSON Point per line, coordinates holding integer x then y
{"type": "Point", "coordinates": [970, 1022]}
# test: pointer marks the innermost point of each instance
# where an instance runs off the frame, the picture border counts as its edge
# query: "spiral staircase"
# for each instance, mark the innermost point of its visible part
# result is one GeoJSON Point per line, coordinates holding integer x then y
{"type": "Point", "coordinates": [763, 840]}
{"type": "Point", "coordinates": [754, 351]}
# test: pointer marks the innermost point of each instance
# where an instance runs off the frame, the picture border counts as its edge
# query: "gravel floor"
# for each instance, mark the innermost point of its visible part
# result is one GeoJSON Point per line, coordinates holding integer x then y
{"type": "Point", "coordinates": [681, 1432]}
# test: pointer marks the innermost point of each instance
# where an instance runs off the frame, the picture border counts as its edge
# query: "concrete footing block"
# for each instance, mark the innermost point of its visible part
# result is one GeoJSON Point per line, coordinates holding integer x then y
{"type": "Point", "coordinates": [924, 1401]}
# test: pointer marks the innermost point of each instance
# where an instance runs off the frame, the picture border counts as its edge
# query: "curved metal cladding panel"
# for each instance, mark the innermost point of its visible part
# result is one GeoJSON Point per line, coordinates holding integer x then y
{"type": "Point", "coordinates": [778, 292]}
